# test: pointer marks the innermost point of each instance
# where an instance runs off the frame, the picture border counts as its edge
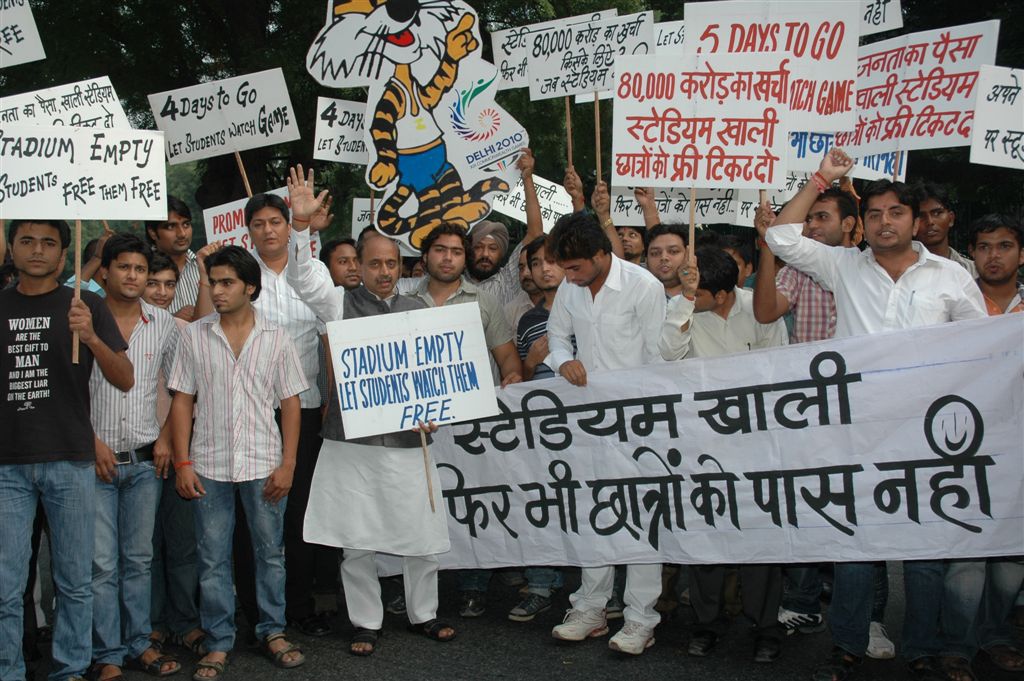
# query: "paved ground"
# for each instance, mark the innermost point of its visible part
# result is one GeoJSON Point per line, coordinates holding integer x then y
{"type": "Point", "coordinates": [492, 647]}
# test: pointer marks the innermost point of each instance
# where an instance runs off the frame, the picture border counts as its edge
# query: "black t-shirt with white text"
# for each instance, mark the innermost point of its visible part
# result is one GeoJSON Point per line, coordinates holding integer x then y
{"type": "Point", "coordinates": [45, 398]}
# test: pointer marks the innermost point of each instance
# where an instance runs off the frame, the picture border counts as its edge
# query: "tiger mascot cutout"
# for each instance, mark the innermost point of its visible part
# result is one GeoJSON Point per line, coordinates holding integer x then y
{"type": "Point", "coordinates": [410, 54]}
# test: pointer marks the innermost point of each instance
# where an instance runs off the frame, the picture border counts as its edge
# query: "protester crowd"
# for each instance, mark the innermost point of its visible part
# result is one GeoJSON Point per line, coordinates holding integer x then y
{"type": "Point", "coordinates": [194, 455]}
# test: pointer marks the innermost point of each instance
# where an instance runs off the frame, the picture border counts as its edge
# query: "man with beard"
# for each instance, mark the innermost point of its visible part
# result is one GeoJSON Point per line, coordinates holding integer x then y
{"type": "Point", "coordinates": [173, 238]}
{"type": "Point", "coordinates": [997, 246]}
{"type": "Point", "coordinates": [937, 219]}
{"type": "Point", "coordinates": [666, 256]}
{"type": "Point", "coordinates": [528, 297]}
{"type": "Point", "coordinates": [368, 493]}
{"type": "Point", "coordinates": [634, 242]}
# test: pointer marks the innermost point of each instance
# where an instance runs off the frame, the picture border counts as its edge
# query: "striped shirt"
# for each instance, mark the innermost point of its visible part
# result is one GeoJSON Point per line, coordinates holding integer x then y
{"type": "Point", "coordinates": [128, 420]}
{"type": "Point", "coordinates": [235, 437]}
{"type": "Point", "coordinates": [813, 308]}
{"type": "Point", "coordinates": [280, 305]}
{"type": "Point", "coordinates": [532, 326]}
{"type": "Point", "coordinates": [187, 291]}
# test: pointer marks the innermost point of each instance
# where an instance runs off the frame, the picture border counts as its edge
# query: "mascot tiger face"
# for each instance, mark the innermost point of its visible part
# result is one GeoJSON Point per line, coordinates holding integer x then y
{"type": "Point", "coordinates": [408, 52]}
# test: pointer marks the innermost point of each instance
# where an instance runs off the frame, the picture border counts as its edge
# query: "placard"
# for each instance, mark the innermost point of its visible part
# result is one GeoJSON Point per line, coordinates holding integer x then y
{"type": "Point", "coordinates": [226, 223]}
{"type": "Point", "coordinates": [554, 202]}
{"type": "Point", "coordinates": [339, 131]}
{"type": "Point", "coordinates": [816, 452]}
{"type": "Point", "coordinates": [81, 173]}
{"type": "Point", "coordinates": [668, 41]}
{"type": "Point", "coordinates": [88, 104]}
{"type": "Point", "coordinates": [698, 121]}
{"type": "Point", "coordinates": [395, 370]}
{"type": "Point", "coordinates": [806, 149]}
{"type": "Point", "coordinates": [580, 58]}
{"type": "Point", "coordinates": [747, 200]}
{"type": "Point", "coordinates": [713, 206]}
{"type": "Point", "coordinates": [917, 91]}
{"type": "Point", "coordinates": [511, 46]}
{"type": "Point", "coordinates": [998, 118]}
{"type": "Point", "coordinates": [880, 16]}
{"type": "Point", "coordinates": [19, 37]}
{"type": "Point", "coordinates": [224, 116]}
{"type": "Point", "coordinates": [361, 216]}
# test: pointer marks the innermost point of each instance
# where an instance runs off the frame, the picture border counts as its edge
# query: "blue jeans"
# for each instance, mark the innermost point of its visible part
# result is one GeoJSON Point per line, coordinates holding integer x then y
{"type": "Point", "coordinates": [473, 580]}
{"type": "Point", "coordinates": [215, 523]}
{"type": "Point", "coordinates": [922, 582]}
{"type": "Point", "coordinates": [125, 511]}
{"type": "Point", "coordinates": [803, 592]}
{"type": "Point", "coordinates": [175, 592]}
{"type": "Point", "coordinates": [543, 580]}
{"type": "Point", "coordinates": [67, 492]}
{"type": "Point", "coordinates": [1005, 579]}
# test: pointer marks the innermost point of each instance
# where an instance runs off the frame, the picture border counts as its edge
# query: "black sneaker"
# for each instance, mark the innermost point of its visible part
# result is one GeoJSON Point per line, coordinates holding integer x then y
{"type": "Point", "coordinates": [473, 604]}
{"type": "Point", "coordinates": [530, 607]}
{"type": "Point", "coordinates": [396, 606]}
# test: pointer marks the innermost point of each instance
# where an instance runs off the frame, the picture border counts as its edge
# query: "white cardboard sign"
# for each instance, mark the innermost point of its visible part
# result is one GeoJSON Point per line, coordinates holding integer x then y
{"type": "Point", "coordinates": [226, 223]}
{"type": "Point", "coordinates": [87, 104]}
{"type": "Point", "coordinates": [19, 37]}
{"type": "Point", "coordinates": [394, 370]}
{"type": "Point", "coordinates": [224, 116]}
{"type": "Point", "coordinates": [554, 202]}
{"type": "Point", "coordinates": [81, 173]}
{"type": "Point", "coordinates": [999, 118]}
{"type": "Point", "coordinates": [339, 131]}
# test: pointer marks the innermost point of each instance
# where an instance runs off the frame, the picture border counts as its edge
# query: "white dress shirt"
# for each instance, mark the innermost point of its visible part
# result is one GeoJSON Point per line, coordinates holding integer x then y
{"type": "Point", "coordinates": [711, 335]}
{"type": "Point", "coordinates": [931, 291]}
{"type": "Point", "coordinates": [616, 329]}
{"type": "Point", "coordinates": [282, 306]}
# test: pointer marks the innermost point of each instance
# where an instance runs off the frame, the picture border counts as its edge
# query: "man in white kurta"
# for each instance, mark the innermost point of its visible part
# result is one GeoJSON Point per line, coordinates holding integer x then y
{"type": "Point", "coordinates": [368, 494]}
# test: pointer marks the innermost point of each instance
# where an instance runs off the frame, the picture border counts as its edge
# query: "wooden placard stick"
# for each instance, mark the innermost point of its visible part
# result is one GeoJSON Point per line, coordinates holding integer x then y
{"type": "Point", "coordinates": [693, 219]}
{"type": "Point", "coordinates": [78, 284]}
{"type": "Point", "coordinates": [896, 166]}
{"type": "Point", "coordinates": [245, 178]}
{"type": "Point", "coordinates": [762, 196]}
{"type": "Point", "coordinates": [568, 128]}
{"type": "Point", "coordinates": [373, 207]}
{"type": "Point", "coordinates": [597, 133]}
{"type": "Point", "coordinates": [426, 469]}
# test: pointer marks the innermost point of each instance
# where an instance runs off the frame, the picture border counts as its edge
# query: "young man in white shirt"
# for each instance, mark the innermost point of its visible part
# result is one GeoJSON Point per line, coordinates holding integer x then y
{"type": "Point", "coordinates": [133, 454]}
{"type": "Point", "coordinates": [718, 319]}
{"type": "Point", "coordinates": [240, 366]}
{"type": "Point", "coordinates": [894, 284]}
{"type": "Point", "coordinates": [615, 310]}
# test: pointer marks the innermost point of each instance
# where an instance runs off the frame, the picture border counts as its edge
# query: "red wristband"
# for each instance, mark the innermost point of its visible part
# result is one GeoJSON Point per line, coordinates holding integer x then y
{"type": "Point", "coordinates": [178, 465]}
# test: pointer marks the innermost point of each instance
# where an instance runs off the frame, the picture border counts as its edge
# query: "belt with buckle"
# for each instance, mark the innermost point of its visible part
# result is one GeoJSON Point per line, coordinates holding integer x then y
{"type": "Point", "coordinates": [138, 455]}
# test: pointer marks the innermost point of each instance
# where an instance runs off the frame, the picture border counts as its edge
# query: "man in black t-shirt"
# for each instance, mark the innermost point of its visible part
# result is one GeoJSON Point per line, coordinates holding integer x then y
{"type": "Point", "coordinates": [47, 452]}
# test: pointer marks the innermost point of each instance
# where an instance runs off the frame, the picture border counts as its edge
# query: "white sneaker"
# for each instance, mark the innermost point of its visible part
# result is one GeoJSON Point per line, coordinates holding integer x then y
{"type": "Point", "coordinates": [581, 624]}
{"type": "Point", "coordinates": [880, 647]}
{"type": "Point", "coordinates": [793, 622]}
{"type": "Point", "coordinates": [633, 638]}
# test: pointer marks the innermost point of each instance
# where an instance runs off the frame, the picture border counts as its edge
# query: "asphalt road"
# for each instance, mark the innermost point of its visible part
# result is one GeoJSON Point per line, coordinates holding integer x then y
{"type": "Point", "coordinates": [492, 647]}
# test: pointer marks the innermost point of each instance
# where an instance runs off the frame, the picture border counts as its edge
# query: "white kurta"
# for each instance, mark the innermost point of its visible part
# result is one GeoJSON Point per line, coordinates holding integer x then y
{"type": "Point", "coordinates": [375, 499]}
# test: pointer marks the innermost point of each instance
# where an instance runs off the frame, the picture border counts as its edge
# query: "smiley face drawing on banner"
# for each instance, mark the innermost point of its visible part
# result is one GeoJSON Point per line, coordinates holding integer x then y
{"type": "Point", "coordinates": [439, 144]}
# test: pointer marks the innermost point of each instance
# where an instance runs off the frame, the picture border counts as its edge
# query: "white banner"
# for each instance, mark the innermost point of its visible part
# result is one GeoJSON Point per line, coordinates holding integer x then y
{"type": "Point", "coordinates": [677, 122]}
{"type": "Point", "coordinates": [806, 149]}
{"type": "Point", "coordinates": [998, 119]}
{"type": "Point", "coordinates": [580, 58]}
{"type": "Point", "coordinates": [917, 91]}
{"type": "Point", "coordinates": [880, 16]}
{"type": "Point", "coordinates": [81, 173]}
{"type": "Point", "coordinates": [226, 223]}
{"type": "Point", "coordinates": [339, 131]}
{"type": "Point", "coordinates": [88, 104]}
{"type": "Point", "coordinates": [713, 206]}
{"type": "Point", "coordinates": [361, 216]}
{"type": "Point", "coordinates": [395, 370]}
{"type": "Point", "coordinates": [814, 44]}
{"type": "Point", "coordinates": [224, 116]}
{"type": "Point", "coordinates": [905, 445]}
{"type": "Point", "coordinates": [554, 202]}
{"type": "Point", "coordinates": [511, 47]}
{"type": "Point", "coordinates": [19, 37]}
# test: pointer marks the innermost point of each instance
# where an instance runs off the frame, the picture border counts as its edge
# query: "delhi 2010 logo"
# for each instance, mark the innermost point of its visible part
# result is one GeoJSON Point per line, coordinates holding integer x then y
{"type": "Point", "coordinates": [488, 121]}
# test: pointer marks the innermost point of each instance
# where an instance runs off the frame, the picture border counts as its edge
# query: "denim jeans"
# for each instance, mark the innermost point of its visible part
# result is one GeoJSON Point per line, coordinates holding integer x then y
{"type": "Point", "coordinates": [67, 491]}
{"type": "Point", "coordinates": [803, 590]}
{"type": "Point", "coordinates": [473, 580]}
{"type": "Point", "coordinates": [922, 582]}
{"type": "Point", "coordinates": [175, 591]}
{"type": "Point", "coordinates": [121, 582]}
{"type": "Point", "coordinates": [215, 521]}
{"type": "Point", "coordinates": [543, 580]}
{"type": "Point", "coordinates": [1005, 579]}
